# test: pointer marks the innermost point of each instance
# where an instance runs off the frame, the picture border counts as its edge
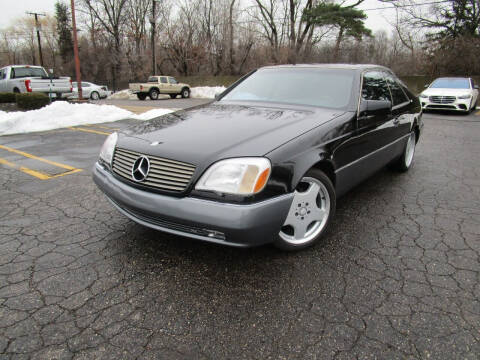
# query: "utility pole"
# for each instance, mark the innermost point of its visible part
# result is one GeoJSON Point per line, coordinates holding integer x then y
{"type": "Point", "coordinates": [153, 20]}
{"type": "Point", "coordinates": [38, 27]}
{"type": "Point", "coordinates": [75, 52]}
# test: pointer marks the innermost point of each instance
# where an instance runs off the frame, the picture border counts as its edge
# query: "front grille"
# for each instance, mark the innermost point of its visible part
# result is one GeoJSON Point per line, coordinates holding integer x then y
{"type": "Point", "coordinates": [442, 99]}
{"type": "Point", "coordinates": [164, 174]}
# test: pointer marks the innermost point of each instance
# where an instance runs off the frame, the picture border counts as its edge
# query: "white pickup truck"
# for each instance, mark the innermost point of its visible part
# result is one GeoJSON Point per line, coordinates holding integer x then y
{"type": "Point", "coordinates": [29, 78]}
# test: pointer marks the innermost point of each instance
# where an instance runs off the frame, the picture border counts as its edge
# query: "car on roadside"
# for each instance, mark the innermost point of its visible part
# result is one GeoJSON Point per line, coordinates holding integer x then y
{"type": "Point", "coordinates": [30, 78]}
{"type": "Point", "coordinates": [90, 91]}
{"type": "Point", "coordinates": [160, 84]}
{"type": "Point", "coordinates": [264, 162]}
{"type": "Point", "coordinates": [450, 93]}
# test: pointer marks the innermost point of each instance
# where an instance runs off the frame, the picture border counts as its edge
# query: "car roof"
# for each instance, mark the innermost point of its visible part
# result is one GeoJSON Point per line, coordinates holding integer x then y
{"type": "Point", "coordinates": [329, 66]}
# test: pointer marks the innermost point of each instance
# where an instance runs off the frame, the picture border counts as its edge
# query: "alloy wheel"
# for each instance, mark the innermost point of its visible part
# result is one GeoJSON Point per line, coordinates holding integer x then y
{"type": "Point", "coordinates": [308, 213]}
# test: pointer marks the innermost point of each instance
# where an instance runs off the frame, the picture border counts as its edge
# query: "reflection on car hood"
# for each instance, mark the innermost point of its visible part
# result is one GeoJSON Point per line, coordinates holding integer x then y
{"type": "Point", "coordinates": [216, 131]}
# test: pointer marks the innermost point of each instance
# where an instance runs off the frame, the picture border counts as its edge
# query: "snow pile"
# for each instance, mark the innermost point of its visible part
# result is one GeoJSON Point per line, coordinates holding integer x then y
{"type": "Point", "coordinates": [62, 114]}
{"type": "Point", "coordinates": [123, 95]}
{"type": "Point", "coordinates": [206, 92]}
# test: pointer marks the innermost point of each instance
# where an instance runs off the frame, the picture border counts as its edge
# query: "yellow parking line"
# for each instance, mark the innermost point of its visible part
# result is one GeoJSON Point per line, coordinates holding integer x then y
{"type": "Point", "coordinates": [90, 131]}
{"type": "Point", "coordinates": [37, 174]}
{"type": "Point", "coordinates": [37, 158]}
{"type": "Point", "coordinates": [101, 127]}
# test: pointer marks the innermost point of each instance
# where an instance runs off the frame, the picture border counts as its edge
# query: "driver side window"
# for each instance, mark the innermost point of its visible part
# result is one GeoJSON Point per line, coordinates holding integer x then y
{"type": "Point", "coordinates": [375, 87]}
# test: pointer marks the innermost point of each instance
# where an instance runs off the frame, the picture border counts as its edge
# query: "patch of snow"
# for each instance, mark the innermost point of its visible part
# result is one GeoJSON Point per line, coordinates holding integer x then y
{"type": "Point", "coordinates": [123, 95]}
{"type": "Point", "coordinates": [62, 114]}
{"type": "Point", "coordinates": [206, 92]}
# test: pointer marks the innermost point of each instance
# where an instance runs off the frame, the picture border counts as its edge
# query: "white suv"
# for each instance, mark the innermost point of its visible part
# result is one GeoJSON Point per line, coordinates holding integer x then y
{"type": "Point", "coordinates": [455, 93]}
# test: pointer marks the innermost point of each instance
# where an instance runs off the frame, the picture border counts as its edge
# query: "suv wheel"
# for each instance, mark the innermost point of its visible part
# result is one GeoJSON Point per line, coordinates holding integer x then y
{"type": "Point", "coordinates": [141, 96]}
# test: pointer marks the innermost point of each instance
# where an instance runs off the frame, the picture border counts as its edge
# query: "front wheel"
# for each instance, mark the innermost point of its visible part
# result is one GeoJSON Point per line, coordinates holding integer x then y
{"type": "Point", "coordinates": [185, 93]}
{"type": "Point", "coordinates": [312, 209]}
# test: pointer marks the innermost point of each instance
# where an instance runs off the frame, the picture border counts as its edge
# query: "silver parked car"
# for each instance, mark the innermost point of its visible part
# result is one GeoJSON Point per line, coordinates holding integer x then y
{"type": "Point", "coordinates": [90, 91]}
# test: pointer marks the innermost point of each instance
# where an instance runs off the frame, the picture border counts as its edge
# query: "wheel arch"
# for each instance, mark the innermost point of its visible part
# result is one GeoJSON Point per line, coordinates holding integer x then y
{"type": "Point", "coordinates": [154, 88]}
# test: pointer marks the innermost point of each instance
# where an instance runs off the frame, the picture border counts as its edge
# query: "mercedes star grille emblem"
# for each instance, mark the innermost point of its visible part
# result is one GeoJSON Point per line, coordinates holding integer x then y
{"type": "Point", "coordinates": [140, 169]}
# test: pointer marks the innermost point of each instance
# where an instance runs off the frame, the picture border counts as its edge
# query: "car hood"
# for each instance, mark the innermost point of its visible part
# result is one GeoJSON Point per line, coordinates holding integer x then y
{"type": "Point", "coordinates": [205, 134]}
{"type": "Point", "coordinates": [446, 92]}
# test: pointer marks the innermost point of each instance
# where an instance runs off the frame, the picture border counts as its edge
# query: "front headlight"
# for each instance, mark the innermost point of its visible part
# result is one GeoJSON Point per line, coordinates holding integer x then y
{"type": "Point", "coordinates": [466, 96]}
{"type": "Point", "coordinates": [423, 96]}
{"type": "Point", "coordinates": [243, 176]}
{"type": "Point", "coordinates": [106, 153]}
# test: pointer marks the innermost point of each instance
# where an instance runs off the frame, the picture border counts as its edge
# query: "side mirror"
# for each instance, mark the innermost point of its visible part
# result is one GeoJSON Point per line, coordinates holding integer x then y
{"type": "Point", "coordinates": [50, 71]}
{"type": "Point", "coordinates": [217, 96]}
{"type": "Point", "coordinates": [426, 86]}
{"type": "Point", "coordinates": [475, 87]}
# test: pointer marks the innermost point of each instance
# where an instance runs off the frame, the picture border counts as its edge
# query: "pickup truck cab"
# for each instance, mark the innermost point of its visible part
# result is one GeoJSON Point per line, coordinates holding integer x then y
{"type": "Point", "coordinates": [29, 78]}
{"type": "Point", "coordinates": [160, 84]}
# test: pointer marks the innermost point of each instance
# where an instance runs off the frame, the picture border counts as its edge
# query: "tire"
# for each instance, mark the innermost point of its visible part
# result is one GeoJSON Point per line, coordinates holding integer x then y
{"type": "Point", "coordinates": [310, 214]}
{"type": "Point", "coordinates": [185, 93]}
{"type": "Point", "coordinates": [173, 96]}
{"type": "Point", "coordinates": [474, 107]}
{"type": "Point", "coordinates": [94, 95]}
{"type": "Point", "coordinates": [16, 90]}
{"type": "Point", "coordinates": [153, 94]}
{"type": "Point", "coordinates": [141, 96]}
{"type": "Point", "coordinates": [405, 161]}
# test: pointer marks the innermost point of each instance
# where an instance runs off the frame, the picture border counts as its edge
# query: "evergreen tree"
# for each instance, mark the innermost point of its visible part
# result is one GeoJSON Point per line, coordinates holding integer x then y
{"type": "Point", "coordinates": [64, 31]}
{"type": "Point", "coordinates": [348, 20]}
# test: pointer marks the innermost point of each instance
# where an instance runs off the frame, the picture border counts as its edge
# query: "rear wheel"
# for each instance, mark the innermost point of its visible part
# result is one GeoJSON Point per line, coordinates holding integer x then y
{"type": "Point", "coordinates": [141, 96]}
{"type": "Point", "coordinates": [406, 159]}
{"type": "Point", "coordinates": [94, 95]}
{"type": "Point", "coordinates": [173, 96]}
{"type": "Point", "coordinates": [312, 209]}
{"type": "Point", "coordinates": [185, 93]}
{"type": "Point", "coordinates": [153, 94]}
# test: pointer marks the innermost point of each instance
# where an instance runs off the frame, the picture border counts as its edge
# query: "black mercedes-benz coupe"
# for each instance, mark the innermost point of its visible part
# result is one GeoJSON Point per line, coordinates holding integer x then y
{"type": "Point", "coordinates": [266, 161]}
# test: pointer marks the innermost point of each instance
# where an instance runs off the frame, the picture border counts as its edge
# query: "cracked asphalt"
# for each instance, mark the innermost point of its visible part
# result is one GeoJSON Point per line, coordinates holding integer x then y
{"type": "Point", "coordinates": [396, 277]}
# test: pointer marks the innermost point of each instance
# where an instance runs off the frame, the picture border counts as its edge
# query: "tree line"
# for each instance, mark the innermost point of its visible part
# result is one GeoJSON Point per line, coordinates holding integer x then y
{"type": "Point", "coordinates": [232, 37]}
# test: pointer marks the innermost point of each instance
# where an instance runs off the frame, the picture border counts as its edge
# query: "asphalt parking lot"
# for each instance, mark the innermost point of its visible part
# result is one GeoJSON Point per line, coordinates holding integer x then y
{"type": "Point", "coordinates": [397, 276]}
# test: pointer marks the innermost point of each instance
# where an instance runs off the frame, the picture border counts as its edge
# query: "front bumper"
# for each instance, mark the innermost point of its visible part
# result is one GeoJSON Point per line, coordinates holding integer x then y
{"type": "Point", "coordinates": [456, 105]}
{"type": "Point", "coordinates": [222, 223]}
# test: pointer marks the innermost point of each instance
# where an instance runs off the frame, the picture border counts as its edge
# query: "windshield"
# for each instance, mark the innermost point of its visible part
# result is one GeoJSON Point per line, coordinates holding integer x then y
{"type": "Point", "coordinates": [21, 72]}
{"type": "Point", "coordinates": [330, 88]}
{"type": "Point", "coordinates": [450, 84]}
{"type": "Point", "coordinates": [152, 79]}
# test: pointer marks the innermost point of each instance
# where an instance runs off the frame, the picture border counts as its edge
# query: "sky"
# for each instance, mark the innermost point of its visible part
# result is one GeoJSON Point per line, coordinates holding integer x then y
{"type": "Point", "coordinates": [11, 9]}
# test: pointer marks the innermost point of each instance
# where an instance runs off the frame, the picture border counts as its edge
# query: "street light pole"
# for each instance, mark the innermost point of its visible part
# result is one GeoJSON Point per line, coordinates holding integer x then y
{"type": "Point", "coordinates": [75, 52]}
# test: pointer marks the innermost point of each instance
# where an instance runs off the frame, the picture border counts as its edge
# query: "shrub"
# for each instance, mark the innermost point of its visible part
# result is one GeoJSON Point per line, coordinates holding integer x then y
{"type": "Point", "coordinates": [32, 101]}
{"type": "Point", "coordinates": [7, 97]}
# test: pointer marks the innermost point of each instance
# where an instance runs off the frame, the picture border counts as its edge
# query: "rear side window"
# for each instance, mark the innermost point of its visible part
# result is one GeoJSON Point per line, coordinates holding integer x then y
{"type": "Point", "coordinates": [152, 79]}
{"type": "Point", "coordinates": [163, 80]}
{"type": "Point", "coordinates": [172, 80]}
{"type": "Point", "coordinates": [398, 95]}
{"type": "Point", "coordinates": [2, 74]}
{"type": "Point", "coordinates": [22, 72]}
{"type": "Point", "coordinates": [375, 87]}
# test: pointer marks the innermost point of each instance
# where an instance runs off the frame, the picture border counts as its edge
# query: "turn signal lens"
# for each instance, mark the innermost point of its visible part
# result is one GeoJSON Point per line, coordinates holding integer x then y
{"type": "Point", "coordinates": [261, 181]}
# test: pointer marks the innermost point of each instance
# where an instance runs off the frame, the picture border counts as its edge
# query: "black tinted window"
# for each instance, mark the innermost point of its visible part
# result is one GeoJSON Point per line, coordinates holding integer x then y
{"type": "Point", "coordinates": [375, 87]}
{"type": "Point", "coordinates": [398, 94]}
